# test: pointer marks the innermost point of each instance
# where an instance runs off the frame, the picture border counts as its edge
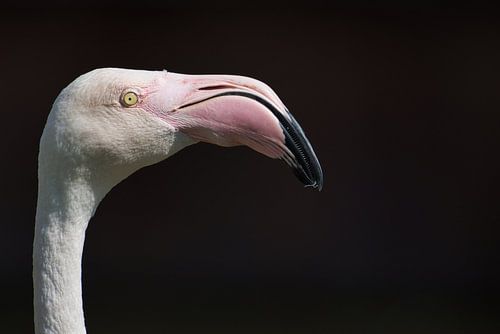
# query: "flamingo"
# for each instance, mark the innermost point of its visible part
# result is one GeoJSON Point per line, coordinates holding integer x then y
{"type": "Point", "coordinates": [110, 122]}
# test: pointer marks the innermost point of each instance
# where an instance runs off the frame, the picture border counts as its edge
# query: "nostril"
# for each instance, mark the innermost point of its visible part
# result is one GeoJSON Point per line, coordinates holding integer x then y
{"type": "Point", "coordinates": [216, 87]}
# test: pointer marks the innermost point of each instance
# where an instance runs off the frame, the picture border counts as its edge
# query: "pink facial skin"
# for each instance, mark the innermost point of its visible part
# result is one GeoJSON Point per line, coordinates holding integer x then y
{"type": "Point", "coordinates": [188, 103]}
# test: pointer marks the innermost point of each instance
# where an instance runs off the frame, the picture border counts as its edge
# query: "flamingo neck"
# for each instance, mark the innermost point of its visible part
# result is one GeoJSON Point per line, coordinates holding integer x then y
{"type": "Point", "coordinates": [66, 202]}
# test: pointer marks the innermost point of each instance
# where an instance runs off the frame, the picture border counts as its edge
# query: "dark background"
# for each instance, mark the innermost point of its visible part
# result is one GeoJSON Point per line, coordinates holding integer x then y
{"type": "Point", "coordinates": [401, 103]}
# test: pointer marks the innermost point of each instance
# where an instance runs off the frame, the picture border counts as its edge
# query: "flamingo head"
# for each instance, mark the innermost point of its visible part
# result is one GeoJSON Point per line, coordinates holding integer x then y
{"type": "Point", "coordinates": [115, 121]}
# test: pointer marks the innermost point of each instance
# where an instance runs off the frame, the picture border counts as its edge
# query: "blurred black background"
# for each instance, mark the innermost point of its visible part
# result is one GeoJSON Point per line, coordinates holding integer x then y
{"type": "Point", "coordinates": [401, 103]}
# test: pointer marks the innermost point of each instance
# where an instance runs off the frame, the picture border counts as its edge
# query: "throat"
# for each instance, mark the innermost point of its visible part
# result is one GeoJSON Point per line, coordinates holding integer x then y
{"type": "Point", "coordinates": [65, 205]}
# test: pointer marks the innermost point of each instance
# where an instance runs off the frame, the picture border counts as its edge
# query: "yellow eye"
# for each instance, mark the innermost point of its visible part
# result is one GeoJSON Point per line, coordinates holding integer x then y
{"type": "Point", "coordinates": [129, 99]}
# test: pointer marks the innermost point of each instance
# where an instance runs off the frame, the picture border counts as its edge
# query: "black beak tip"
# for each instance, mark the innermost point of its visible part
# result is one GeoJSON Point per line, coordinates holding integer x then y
{"type": "Point", "coordinates": [306, 167]}
{"type": "Point", "coordinates": [318, 179]}
{"type": "Point", "coordinates": [317, 184]}
{"type": "Point", "coordinates": [312, 177]}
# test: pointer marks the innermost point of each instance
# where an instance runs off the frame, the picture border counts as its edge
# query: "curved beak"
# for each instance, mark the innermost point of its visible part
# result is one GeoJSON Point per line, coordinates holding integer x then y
{"type": "Point", "coordinates": [234, 110]}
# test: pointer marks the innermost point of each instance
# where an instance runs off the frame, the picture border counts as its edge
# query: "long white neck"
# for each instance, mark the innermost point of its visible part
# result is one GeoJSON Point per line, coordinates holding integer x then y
{"type": "Point", "coordinates": [83, 154]}
{"type": "Point", "coordinates": [67, 200]}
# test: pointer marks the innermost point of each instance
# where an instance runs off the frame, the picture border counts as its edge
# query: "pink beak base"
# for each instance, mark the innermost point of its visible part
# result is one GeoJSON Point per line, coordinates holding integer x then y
{"type": "Point", "coordinates": [231, 121]}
